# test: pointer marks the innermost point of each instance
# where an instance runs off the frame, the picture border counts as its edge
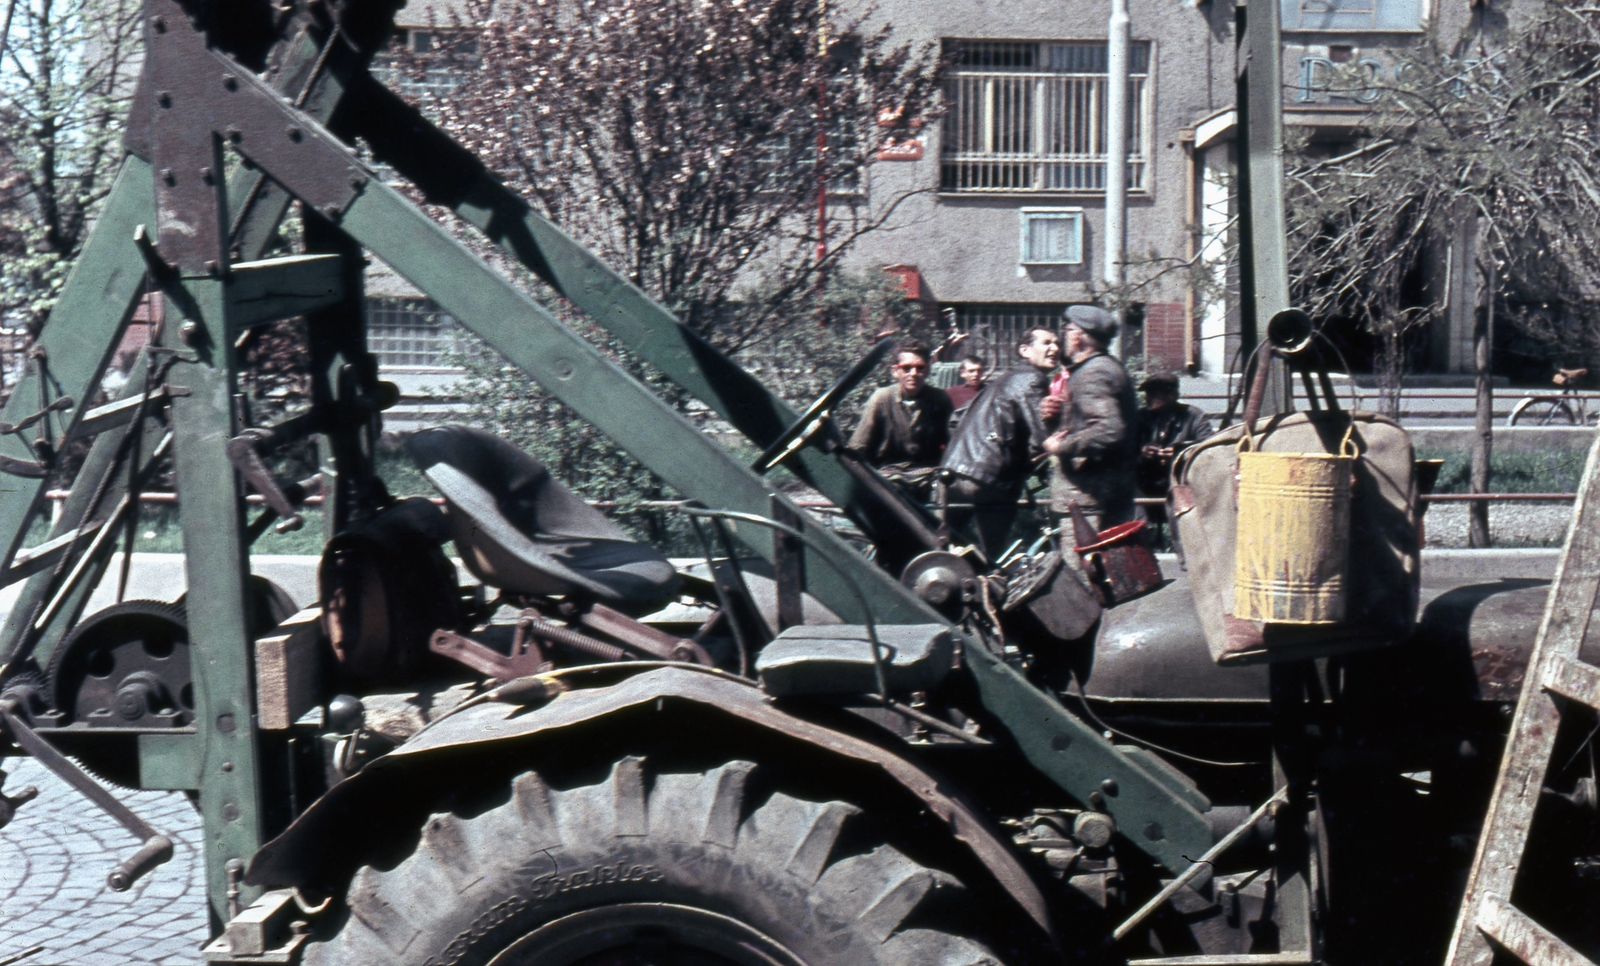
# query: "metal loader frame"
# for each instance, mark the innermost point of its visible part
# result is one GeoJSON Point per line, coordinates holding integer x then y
{"type": "Point", "coordinates": [241, 112]}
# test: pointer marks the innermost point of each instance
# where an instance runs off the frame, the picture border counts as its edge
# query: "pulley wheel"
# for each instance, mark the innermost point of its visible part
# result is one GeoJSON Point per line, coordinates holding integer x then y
{"type": "Point", "coordinates": [126, 667]}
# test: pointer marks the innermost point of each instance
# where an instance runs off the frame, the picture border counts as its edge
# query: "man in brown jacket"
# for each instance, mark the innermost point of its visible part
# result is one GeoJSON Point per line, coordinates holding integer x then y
{"type": "Point", "coordinates": [906, 424]}
{"type": "Point", "coordinates": [1096, 450]}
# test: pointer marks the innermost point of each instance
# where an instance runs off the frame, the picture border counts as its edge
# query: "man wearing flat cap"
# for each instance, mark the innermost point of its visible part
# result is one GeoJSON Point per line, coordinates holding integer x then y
{"type": "Point", "coordinates": [1096, 448]}
{"type": "Point", "coordinates": [1167, 427]}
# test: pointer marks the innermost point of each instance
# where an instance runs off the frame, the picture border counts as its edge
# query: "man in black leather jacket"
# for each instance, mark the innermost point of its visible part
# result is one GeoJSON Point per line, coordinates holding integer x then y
{"type": "Point", "coordinates": [997, 443]}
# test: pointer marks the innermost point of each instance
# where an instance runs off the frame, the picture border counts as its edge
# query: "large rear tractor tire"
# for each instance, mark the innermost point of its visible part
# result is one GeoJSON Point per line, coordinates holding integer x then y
{"type": "Point", "coordinates": [681, 871]}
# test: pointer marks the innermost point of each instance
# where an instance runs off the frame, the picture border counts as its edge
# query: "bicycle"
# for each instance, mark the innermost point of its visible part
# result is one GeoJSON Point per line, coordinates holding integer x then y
{"type": "Point", "coordinates": [1569, 407]}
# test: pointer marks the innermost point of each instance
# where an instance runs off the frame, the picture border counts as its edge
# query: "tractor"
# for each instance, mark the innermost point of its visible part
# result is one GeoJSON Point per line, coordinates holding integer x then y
{"type": "Point", "coordinates": [787, 752]}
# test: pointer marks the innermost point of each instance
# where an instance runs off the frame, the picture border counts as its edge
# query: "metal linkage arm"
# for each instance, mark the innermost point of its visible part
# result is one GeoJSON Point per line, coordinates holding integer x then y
{"type": "Point", "coordinates": [155, 848]}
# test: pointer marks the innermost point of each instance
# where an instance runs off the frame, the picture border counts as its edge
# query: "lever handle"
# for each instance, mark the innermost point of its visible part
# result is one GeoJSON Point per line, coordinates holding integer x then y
{"type": "Point", "coordinates": [242, 453]}
{"type": "Point", "coordinates": [155, 850]}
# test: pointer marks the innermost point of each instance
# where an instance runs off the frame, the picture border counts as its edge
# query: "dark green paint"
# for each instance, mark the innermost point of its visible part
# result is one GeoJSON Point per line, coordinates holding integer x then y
{"type": "Point", "coordinates": [83, 331]}
{"type": "Point", "coordinates": [215, 566]}
{"type": "Point", "coordinates": [1074, 756]}
{"type": "Point", "coordinates": [598, 390]}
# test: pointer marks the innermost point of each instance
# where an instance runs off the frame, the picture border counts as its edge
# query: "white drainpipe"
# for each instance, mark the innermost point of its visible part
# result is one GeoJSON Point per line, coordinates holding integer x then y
{"type": "Point", "coordinates": [1116, 230]}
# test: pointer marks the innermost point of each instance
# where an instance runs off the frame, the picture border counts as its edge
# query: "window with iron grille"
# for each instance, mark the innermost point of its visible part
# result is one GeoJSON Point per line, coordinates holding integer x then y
{"type": "Point", "coordinates": [411, 332]}
{"type": "Point", "coordinates": [1352, 15]}
{"type": "Point", "coordinates": [1031, 117]}
{"type": "Point", "coordinates": [442, 60]}
{"type": "Point", "coordinates": [995, 328]}
{"type": "Point", "coordinates": [844, 147]}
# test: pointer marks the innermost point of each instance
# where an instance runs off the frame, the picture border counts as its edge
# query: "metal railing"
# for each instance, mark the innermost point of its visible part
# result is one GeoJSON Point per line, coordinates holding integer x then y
{"type": "Point", "coordinates": [1031, 132]}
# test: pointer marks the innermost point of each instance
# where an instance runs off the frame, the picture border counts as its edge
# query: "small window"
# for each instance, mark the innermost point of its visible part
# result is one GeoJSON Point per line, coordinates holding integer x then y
{"type": "Point", "coordinates": [1352, 15]}
{"type": "Point", "coordinates": [1052, 236]}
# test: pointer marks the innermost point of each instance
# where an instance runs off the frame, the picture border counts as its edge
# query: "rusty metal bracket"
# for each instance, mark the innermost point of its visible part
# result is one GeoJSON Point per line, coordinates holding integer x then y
{"type": "Point", "coordinates": [486, 660]}
{"type": "Point", "coordinates": [243, 454]}
{"type": "Point", "coordinates": [190, 211]}
{"type": "Point", "coordinates": [203, 100]}
{"type": "Point", "coordinates": [643, 637]}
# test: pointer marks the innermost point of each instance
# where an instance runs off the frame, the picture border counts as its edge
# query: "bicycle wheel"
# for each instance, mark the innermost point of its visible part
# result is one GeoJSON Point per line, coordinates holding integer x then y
{"type": "Point", "coordinates": [1543, 411]}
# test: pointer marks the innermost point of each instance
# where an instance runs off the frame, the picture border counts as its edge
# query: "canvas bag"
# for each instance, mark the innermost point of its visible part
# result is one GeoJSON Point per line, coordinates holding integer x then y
{"type": "Point", "coordinates": [1384, 578]}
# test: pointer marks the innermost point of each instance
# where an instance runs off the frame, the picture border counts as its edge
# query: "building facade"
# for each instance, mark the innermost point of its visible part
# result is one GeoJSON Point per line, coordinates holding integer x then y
{"type": "Point", "coordinates": [1004, 217]}
{"type": "Point", "coordinates": [999, 207]}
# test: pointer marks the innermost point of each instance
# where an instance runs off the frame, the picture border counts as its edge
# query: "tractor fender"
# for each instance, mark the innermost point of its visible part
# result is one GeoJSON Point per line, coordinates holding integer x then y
{"type": "Point", "coordinates": [286, 859]}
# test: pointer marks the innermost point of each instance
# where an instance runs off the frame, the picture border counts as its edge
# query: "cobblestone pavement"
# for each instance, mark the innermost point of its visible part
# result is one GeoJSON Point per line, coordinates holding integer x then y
{"type": "Point", "coordinates": [54, 858]}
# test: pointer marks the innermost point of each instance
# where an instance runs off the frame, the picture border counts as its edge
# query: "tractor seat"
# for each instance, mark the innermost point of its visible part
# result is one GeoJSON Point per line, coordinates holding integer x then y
{"type": "Point", "coordinates": [519, 529]}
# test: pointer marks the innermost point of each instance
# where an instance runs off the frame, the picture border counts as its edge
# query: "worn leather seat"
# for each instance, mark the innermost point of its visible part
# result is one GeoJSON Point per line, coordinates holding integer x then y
{"type": "Point", "coordinates": [519, 529]}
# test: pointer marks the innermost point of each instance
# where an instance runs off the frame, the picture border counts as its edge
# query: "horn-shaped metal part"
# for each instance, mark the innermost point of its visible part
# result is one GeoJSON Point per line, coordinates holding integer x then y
{"type": "Point", "coordinates": [1289, 331]}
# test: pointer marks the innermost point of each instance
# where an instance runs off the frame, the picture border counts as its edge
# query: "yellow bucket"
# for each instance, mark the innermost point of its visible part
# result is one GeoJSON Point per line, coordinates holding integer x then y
{"type": "Point", "coordinates": [1293, 543]}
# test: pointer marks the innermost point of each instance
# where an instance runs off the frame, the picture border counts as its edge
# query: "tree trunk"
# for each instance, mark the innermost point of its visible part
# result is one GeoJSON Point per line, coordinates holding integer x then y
{"type": "Point", "coordinates": [1483, 421]}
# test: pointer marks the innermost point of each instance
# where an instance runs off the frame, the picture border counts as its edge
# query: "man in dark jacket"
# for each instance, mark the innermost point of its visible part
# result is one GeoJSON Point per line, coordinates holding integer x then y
{"type": "Point", "coordinates": [994, 448]}
{"type": "Point", "coordinates": [1096, 448]}
{"type": "Point", "coordinates": [1167, 427]}
{"type": "Point", "coordinates": [905, 425]}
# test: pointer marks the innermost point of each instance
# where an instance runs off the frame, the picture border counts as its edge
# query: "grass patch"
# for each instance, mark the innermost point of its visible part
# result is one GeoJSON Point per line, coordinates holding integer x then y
{"type": "Point", "coordinates": [1549, 471]}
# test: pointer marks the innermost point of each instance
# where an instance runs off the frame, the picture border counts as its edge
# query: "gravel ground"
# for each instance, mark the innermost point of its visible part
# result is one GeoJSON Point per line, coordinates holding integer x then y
{"type": "Point", "coordinates": [1510, 524]}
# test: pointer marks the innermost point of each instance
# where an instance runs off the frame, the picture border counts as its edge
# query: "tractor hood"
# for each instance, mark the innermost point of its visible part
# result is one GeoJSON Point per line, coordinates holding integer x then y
{"type": "Point", "coordinates": [1480, 608]}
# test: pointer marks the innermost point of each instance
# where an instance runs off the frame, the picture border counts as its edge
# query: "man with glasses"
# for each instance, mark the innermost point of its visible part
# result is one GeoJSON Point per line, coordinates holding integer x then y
{"type": "Point", "coordinates": [906, 424]}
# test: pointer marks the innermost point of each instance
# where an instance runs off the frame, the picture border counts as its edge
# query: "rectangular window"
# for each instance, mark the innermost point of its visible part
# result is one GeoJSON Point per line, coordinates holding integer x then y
{"type": "Point", "coordinates": [1052, 236]}
{"type": "Point", "coordinates": [1030, 117]}
{"type": "Point", "coordinates": [1352, 15]}
{"type": "Point", "coordinates": [411, 332]}
{"type": "Point", "coordinates": [843, 144]}
{"type": "Point", "coordinates": [439, 60]}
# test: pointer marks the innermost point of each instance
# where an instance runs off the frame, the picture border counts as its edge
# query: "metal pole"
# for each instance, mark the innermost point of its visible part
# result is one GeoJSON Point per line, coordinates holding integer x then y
{"type": "Point", "coordinates": [1116, 143]}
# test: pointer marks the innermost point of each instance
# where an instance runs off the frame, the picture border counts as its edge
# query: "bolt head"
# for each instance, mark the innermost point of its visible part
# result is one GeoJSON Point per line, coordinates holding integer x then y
{"type": "Point", "coordinates": [230, 82]}
{"type": "Point", "coordinates": [130, 703]}
{"type": "Point", "coordinates": [164, 98]}
{"type": "Point", "coordinates": [189, 332]}
{"type": "Point", "coordinates": [293, 133]}
{"type": "Point", "coordinates": [1094, 829]}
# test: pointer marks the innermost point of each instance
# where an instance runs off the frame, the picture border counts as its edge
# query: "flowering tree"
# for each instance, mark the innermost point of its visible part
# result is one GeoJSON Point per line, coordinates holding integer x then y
{"type": "Point", "coordinates": [716, 152]}
{"type": "Point", "coordinates": [66, 78]}
{"type": "Point", "coordinates": [697, 145]}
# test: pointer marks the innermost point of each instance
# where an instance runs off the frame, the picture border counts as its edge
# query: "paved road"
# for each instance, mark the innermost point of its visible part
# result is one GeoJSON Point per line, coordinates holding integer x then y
{"type": "Point", "coordinates": [54, 858]}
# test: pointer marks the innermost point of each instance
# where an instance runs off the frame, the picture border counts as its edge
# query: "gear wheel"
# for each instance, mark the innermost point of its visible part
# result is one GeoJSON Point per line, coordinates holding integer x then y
{"type": "Point", "coordinates": [126, 666]}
